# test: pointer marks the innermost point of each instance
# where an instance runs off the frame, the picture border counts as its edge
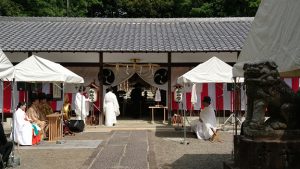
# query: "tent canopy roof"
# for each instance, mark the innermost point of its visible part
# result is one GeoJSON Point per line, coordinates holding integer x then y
{"type": "Point", "coordinates": [212, 71]}
{"type": "Point", "coordinates": [36, 69]}
{"type": "Point", "coordinates": [274, 36]}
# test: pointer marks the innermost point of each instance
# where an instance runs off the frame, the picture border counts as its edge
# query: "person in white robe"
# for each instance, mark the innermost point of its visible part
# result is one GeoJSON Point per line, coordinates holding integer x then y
{"type": "Point", "coordinates": [207, 123]}
{"type": "Point", "coordinates": [22, 126]}
{"type": "Point", "coordinates": [110, 108]}
{"type": "Point", "coordinates": [81, 104]}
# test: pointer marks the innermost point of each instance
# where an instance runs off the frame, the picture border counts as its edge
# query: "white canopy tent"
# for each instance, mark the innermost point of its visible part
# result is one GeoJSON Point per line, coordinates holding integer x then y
{"type": "Point", "coordinates": [36, 69]}
{"type": "Point", "coordinates": [274, 36]}
{"type": "Point", "coordinates": [213, 70]}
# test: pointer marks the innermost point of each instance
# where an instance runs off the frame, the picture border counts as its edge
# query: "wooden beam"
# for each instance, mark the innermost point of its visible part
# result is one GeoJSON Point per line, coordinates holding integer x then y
{"type": "Point", "coordinates": [100, 75]}
{"type": "Point", "coordinates": [169, 88]}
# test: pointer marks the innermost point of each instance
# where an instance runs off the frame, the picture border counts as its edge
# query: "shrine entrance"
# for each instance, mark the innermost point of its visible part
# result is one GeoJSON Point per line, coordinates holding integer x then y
{"type": "Point", "coordinates": [135, 96]}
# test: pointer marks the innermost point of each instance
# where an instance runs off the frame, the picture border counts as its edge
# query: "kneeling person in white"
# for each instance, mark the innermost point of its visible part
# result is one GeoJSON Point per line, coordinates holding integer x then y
{"type": "Point", "coordinates": [207, 121]}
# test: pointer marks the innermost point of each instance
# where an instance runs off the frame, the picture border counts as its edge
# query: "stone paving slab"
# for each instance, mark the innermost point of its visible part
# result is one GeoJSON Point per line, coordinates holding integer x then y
{"type": "Point", "coordinates": [124, 150]}
{"type": "Point", "coordinates": [118, 142]}
{"type": "Point", "coordinates": [67, 144]}
{"type": "Point", "coordinates": [108, 157]}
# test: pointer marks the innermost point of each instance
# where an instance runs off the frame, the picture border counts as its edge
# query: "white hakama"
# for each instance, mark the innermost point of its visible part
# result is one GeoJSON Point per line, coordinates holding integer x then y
{"type": "Point", "coordinates": [110, 108]}
{"type": "Point", "coordinates": [22, 128]}
{"type": "Point", "coordinates": [204, 129]}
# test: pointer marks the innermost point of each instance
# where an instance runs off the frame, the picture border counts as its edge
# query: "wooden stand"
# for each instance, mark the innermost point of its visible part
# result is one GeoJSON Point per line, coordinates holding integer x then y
{"type": "Point", "coordinates": [55, 127]}
{"type": "Point", "coordinates": [157, 107]}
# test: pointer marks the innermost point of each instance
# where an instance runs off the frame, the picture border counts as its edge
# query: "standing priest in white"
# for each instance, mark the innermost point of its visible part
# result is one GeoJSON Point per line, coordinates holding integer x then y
{"type": "Point", "coordinates": [81, 104]}
{"type": "Point", "coordinates": [110, 108]}
{"type": "Point", "coordinates": [207, 123]}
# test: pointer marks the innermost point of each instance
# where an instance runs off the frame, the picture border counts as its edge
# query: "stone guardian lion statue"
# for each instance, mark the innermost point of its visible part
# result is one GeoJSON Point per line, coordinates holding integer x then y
{"type": "Point", "coordinates": [268, 94]}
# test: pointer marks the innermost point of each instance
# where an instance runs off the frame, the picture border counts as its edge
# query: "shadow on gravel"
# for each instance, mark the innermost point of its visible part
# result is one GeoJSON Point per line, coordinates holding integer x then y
{"type": "Point", "coordinates": [198, 161]}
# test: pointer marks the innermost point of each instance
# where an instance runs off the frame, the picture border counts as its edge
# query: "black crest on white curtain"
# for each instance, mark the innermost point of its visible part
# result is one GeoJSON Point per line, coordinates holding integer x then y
{"type": "Point", "coordinates": [108, 76]}
{"type": "Point", "coordinates": [161, 76]}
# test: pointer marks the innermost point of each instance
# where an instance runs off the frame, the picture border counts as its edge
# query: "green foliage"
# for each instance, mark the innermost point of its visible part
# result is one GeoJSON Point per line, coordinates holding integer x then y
{"type": "Point", "coordinates": [241, 7]}
{"type": "Point", "coordinates": [162, 8]}
{"type": "Point", "coordinates": [9, 8]}
{"type": "Point", "coordinates": [205, 10]}
{"type": "Point", "coordinates": [181, 8]}
{"type": "Point", "coordinates": [129, 8]}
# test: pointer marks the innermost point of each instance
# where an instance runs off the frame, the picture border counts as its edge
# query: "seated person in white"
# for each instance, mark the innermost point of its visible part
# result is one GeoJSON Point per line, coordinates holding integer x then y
{"type": "Point", "coordinates": [22, 126]}
{"type": "Point", "coordinates": [207, 122]}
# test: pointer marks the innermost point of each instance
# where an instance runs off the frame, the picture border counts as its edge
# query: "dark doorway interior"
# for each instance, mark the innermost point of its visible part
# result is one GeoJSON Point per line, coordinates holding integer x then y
{"type": "Point", "coordinates": [134, 103]}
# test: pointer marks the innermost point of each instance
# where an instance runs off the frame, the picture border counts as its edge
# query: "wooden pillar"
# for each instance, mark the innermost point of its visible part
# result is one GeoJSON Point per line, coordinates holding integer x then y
{"type": "Point", "coordinates": [100, 75]}
{"type": "Point", "coordinates": [169, 89]}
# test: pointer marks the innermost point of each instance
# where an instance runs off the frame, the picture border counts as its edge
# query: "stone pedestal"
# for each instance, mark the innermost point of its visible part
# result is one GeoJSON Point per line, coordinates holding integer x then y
{"type": "Point", "coordinates": [265, 154]}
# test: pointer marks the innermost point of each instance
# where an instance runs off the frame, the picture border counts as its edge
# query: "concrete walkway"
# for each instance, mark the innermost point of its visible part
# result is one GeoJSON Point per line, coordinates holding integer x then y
{"type": "Point", "coordinates": [124, 150]}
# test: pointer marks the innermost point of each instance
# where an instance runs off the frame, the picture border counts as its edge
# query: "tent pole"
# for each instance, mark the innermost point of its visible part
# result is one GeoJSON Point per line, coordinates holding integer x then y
{"type": "Point", "coordinates": [169, 88]}
{"type": "Point", "coordinates": [62, 114]}
{"type": "Point", "coordinates": [235, 106]}
{"type": "Point", "coordinates": [1, 108]}
{"type": "Point", "coordinates": [13, 116]}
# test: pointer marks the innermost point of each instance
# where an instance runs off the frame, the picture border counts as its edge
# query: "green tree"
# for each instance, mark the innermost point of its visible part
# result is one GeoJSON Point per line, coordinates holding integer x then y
{"type": "Point", "coordinates": [241, 7]}
{"type": "Point", "coordinates": [129, 8]}
{"type": "Point", "coordinates": [162, 8]}
{"type": "Point", "coordinates": [113, 8]}
{"type": "Point", "coordinates": [94, 8]}
{"type": "Point", "coordinates": [223, 8]}
{"type": "Point", "coordinates": [181, 8]}
{"type": "Point", "coordinates": [41, 7]}
{"type": "Point", "coordinates": [137, 8]}
{"type": "Point", "coordinates": [9, 8]}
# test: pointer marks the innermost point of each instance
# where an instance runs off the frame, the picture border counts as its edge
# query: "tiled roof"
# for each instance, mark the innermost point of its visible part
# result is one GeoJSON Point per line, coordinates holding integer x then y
{"type": "Point", "coordinates": [123, 35]}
